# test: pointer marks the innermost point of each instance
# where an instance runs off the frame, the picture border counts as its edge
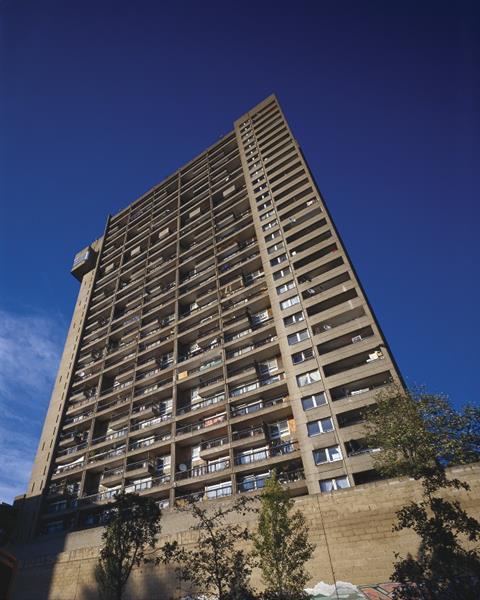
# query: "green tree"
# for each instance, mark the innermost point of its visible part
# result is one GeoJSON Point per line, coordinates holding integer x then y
{"type": "Point", "coordinates": [218, 564]}
{"type": "Point", "coordinates": [281, 544]}
{"type": "Point", "coordinates": [420, 435]}
{"type": "Point", "coordinates": [133, 525]}
{"type": "Point", "coordinates": [418, 432]}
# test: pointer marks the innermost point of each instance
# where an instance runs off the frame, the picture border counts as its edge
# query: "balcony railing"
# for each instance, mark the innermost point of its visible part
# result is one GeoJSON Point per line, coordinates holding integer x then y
{"type": "Point", "coordinates": [114, 453]}
{"type": "Point", "coordinates": [166, 416]}
{"type": "Point", "coordinates": [265, 453]}
{"type": "Point", "coordinates": [154, 439]}
{"type": "Point", "coordinates": [253, 346]}
{"type": "Point", "coordinates": [258, 483]}
{"type": "Point", "coordinates": [236, 411]}
{"type": "Point", "coordinates": [203, 424]}
{"type": "Point", "coordinates": [250, 386]}
{"type": "Point", "coordinates": [214, 494]}
{"type": "Point", "coordinates": [147, 485]}
{"type": "Point", "coordinates": [202, 404]}
{"type": "Point", "coordinates": [201, 470]}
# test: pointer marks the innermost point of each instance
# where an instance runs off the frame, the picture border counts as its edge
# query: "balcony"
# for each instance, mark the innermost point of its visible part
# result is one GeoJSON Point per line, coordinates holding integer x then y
{"type": "Point", "coordinates": [115, 435]}
{"type": "Point", "coordinates": [353, 362]}
{"type": "Point", "coordinates": [199, 496]}
{"type": "Point", "coordinates": [202, 470]}
{"type": "Point", "coordinates": [199, 351]}
{"type": "Point", "coordinates": [255, 384]}
{"type": "Point", "coordinates": [204, 403]}
{"type": "Point", "coordinates": [255, 406]}
{"type": "Point", "coordinates": [150, 441]}
{"type": "Point", "coordinates": [287, 478]}
{"type": "Point", "coordinates": [114, 453]}
{"type": "Point", "coordinates": [166, 416]}
{"type": "Point", "coordinates": [147, 485]}
{"type": "Point", "coordinates": [279, 450]}
{"type": "Point", "coordinates": [209, 421]}
{"type": "Point", "coordinates": [249, 347]}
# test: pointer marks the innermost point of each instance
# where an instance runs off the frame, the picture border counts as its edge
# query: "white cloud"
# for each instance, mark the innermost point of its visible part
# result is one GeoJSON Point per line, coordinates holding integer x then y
{"type": "Point", "coordinates": [30, 347]}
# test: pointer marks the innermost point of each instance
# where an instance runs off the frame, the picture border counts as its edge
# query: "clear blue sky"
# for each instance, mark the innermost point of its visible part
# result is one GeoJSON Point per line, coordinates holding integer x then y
{"type": "Point", "coordinates": [101, 100]}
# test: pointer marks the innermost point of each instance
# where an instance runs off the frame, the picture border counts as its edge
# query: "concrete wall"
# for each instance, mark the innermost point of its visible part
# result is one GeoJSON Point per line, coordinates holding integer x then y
{"type": "Point", "coordinates": [352, 529]}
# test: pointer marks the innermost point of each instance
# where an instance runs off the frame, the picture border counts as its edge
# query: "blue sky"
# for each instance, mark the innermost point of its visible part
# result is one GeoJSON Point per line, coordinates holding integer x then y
{"type": "Point", "coordinates": [101, 100]}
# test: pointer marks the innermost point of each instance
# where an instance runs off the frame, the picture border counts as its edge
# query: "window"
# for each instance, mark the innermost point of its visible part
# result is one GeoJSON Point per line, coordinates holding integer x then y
{"type": "Point", "coordinates": [253, 482]}
{"type": "Point", "coordinates": [313, 401]}
{"type": "Point", "coordinates": [275, 248]}
{"type": "Point", "coordinates": [196, 452]}
{"type": "Point", "coordinates": [268, 214]}
{"type": "Point", "coordinates": [308, 378]}
{"type": "Point", "coordinates": [336, 483]}
{"type": "Point", "coordinates": [267, 366]}
{"type": "Point", "coordinates": [277, 430]}
{"type": "Point", "coordinates": [326, 455]}
{"type": "Point", "coordinates": [298, 336]}
{"type": "Point", "coordinates": [302, 356]}
{"type": "Point", "coordinates": [218, 490]}
{"type": "Point", "coordinates": [289, 302]}
{"type": "Point", "coordinates": [271, 236]}
{"type": "Point", "coordinates": [259, 317]}
{"type": "Point", "coordinates": [278, 259]}
{"type": "Point", "coordinates": [264, 206]}
{"type": "Point", "coordinates": [248, 456]}
{"type": "Point", "coordinates": [282, 273]}
{"type": "Point", "coordinates": [268, 226]}
{"type": "Point", "coordinates": [320, 426]}
{"type": "Point", "coordinates": [297, 317]}
{"type": "Point", "coordinates": [281, 289]}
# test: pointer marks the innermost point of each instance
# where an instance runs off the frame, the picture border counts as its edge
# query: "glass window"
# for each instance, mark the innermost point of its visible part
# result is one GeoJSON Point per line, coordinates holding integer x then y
{"type": "Point", "coordinates": [279, 429]}
{"type": "Point", "coordinates": [324, 455]}
{"type": "Point", "coordinates": [297, 317]}
{"type": "Point", "coordinates": [281, 289]}
{"type": "Point", "coordinates": [259, 317]}
{"type": "Point", "coordinates": [275, 248]}
{"type": "Point", "coordinates": [313, 401]}
{"type": "Point", "coordinates": [282, 273]}
{"type": "Point", "coordinates": [271, 236]}
{"type": "Point", "coordinates": [267, 366]}
{"type": "Point", "coordinates": [278, 259]}
{"type": "Point", "coordinates": [336, 483]}
{"type": "Point", "coordinates": [289, 302]}
{"type": "Point", "coordinates": [302, 356]}
{"type": "Point", "coordinates": [270, 225]}
{"type": "Point", "coordinates": [308, 378]}
{"type": "Point", "coordinates": [266, 215]}
{"type": "Point", "coordinates": [298, 336]}
{"type": "Point", "coordinates": [320, 426]}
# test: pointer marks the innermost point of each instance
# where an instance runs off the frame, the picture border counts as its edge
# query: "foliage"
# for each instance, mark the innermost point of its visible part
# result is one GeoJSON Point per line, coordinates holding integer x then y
{"type": "Point", "coordinates": [216, 565]}
{"type": "Point", "coordinates": [133, 524]}
{"type": "Point", "coordinates": [281, 544]}
{"type": "Point", "coordinates": [443, 569]}
{"type": "Point", "coordinates": [420, 435]}
{"type": "Point", "coordinates": [420, 432]}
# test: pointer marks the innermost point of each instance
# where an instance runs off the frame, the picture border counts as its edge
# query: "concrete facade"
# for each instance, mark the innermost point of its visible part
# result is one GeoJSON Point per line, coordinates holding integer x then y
{"type": "Point", "coordinates": [352, 530]}
{"type": "Point", "coordinates": [220, 332]}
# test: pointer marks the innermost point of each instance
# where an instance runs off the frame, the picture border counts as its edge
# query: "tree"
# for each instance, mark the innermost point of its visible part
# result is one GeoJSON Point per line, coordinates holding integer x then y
{"type": "Point", "coordinates": [217, 565]}
{"type": "Point", "coordinates": [281, 544]}
{"type": "Point", "coordinates": [420, 435]}
{"type": "Point", "coordinates": [418, 432]}
{"type": "Point", "coordinates": [443, 568]}
{"type": "Point", "coordinates": [133, 524]}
